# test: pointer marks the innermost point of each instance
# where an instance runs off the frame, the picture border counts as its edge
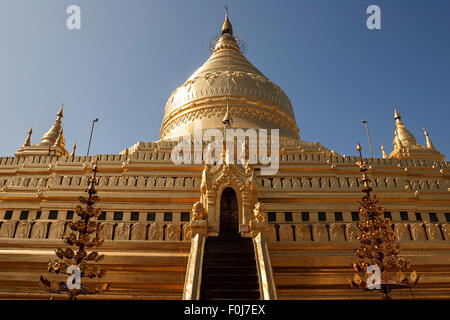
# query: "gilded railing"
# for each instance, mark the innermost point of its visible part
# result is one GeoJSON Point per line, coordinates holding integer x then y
{"type": "Point", "coordinates": [265, 274]}
{"type": "Point", "coordinates": [192, 282]}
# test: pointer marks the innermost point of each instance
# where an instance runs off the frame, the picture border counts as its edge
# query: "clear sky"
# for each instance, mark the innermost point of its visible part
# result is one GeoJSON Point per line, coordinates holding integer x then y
{"type": "Point", "coordinates": [130, 55]}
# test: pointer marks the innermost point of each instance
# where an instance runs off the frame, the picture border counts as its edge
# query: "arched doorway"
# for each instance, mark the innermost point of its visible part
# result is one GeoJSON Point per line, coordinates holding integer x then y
{"type": "Point", "coordinates": [229, 221]}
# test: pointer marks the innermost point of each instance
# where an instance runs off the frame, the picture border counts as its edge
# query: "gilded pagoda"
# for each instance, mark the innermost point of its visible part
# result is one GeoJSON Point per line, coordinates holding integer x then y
{"type": "Point", "coordinates": [170, 230]}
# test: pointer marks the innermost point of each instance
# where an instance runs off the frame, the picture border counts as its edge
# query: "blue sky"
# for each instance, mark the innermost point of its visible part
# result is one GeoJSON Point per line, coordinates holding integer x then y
{"type": "Point", "coordinates": [130, 55]}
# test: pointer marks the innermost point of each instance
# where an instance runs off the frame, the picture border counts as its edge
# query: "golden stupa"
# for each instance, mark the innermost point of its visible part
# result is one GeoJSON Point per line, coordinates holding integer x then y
{"type": "Point", "coordinates": [406, 146]}
{"type": "Point", "coordinates": [227, 78]}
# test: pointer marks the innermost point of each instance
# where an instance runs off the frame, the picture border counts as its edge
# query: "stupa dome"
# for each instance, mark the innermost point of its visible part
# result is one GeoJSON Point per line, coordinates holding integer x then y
{"type": "Point", "coordinates": [228, 80]}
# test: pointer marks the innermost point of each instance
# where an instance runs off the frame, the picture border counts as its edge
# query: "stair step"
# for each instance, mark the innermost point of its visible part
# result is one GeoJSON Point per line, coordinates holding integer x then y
{"type": "Point", "coordinates": [227, 255]}
{"type": "Point", "coordinates": [229, 262]}
{"type": "Point", "coordinates": [228, 236]}
{"type": "Point", "coordinates": [229, 268]}
{"type": "Point", "coordinates": [252, 285]}
{"type": "Point", "coordinates": [219, 239]}
{"type": "Point", "coordinates": [246, 241]}
{"type": "Point", "coordinates": [228, 246]}
{"type": "Point", "coordinates": [238, 238]}
{"type": "Point", "coordinates": [229, 278]}
{"type": "Point", "coordinates": [230, 294]}
{"type": "Point", "coordinates": [223, 246]}
{"type": "Point", "coordinates": [231, 253]}
{"type": "Point", "coordinates": [225, 270]}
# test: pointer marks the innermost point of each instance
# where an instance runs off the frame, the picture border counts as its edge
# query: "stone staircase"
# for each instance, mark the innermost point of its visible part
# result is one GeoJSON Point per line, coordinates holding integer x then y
{"type": "Point", "coordinates": [229, 269]}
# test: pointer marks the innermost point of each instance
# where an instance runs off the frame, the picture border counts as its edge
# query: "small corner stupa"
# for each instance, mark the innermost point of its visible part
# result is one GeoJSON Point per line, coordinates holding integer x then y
{"type": "Point", "coordinates": [52, 143]}
{"type": "Point", "coordinates": [406, 146]}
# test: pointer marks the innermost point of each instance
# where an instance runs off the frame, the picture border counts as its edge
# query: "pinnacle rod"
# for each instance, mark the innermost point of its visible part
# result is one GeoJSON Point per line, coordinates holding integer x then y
{"type": "Point", "coordinates": [368, 137]}
{"type": "Point", "coordinates": [90, 137]}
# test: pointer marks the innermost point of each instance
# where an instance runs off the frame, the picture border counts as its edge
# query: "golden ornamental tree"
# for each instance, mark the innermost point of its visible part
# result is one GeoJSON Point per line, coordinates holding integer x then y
{"type": "Point", "coordinates": [80, 260]}
{"type": "Point", "coordinates": [380, 267]}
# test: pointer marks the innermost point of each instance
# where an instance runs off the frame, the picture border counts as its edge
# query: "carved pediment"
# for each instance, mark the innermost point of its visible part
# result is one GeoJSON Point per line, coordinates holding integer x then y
{"type": "Point", "coordinates": [237, 175]}
{"type": "Point", "coordinates": [229, 175]}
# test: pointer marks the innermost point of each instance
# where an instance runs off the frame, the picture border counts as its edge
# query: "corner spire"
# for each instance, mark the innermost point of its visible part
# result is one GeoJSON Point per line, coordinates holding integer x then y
{"type": "Point", "coordinates": [60, 140]}
{"type": "Point", "coordinates": [406, 146]}
{"type": "Point", "coordinates": [73, 150]}
{"type": "Point", "coordinates": [384, 152]}
{"type": "Point", "coordinates": [429, 143]}
{"type": "Point", "coordinates": [60, 144]}
{"type": "Point", "coordinates": [227, 27]}
{"type": "Point", "coordinates": [27, 142]}
{"type": "Point", "coordinates": [61, 111]}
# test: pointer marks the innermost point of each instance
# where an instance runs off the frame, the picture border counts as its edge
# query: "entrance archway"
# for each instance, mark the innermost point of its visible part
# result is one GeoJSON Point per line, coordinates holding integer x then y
{"type": "Point", "coordinates": [229, 217]}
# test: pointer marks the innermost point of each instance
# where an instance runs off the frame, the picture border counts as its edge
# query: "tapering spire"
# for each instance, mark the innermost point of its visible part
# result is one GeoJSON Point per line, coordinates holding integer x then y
{"type": "Point", "coordinates": [72, 154]}
{"type": "Point", "coordinates": [226, 27]}
{"type": "Point", "coordinates": [429, 143]}
{"type": "Point", "coordinates": [27, 142]}
{"type": "Point", "coordinates": [384, 152]}
{"type": "Point", "coordinates": [396, 114]}
{"type": "Point", "coordinates": [227, 41]}
{"type": "Point", "coordinates": [61, 111]}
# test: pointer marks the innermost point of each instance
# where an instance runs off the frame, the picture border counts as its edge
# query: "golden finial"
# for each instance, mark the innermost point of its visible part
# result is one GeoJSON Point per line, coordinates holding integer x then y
{"type": "Point", "coordinates": [358, 147]}
{"type": "Point", "coordinates": [397, 117]}
{"type": "Point", "coordinates": [360, 163]}
{"type": "Point", "coordinates": [384, 152]}
{"type": "Point", "coordinates": [396, 114]}
{"type": "Point", "coordinates": [92, 180]}
{"type": "Point", "coordinates": [61, 111]}
{"type": "Point", "coordinates": [429, 143]}
{"type": "Point", "coordinates": [27, 142]}
{"type": "Point", "coordinates": [363, 169]}
{"type": "Point", "coordinates": [226, 27]}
